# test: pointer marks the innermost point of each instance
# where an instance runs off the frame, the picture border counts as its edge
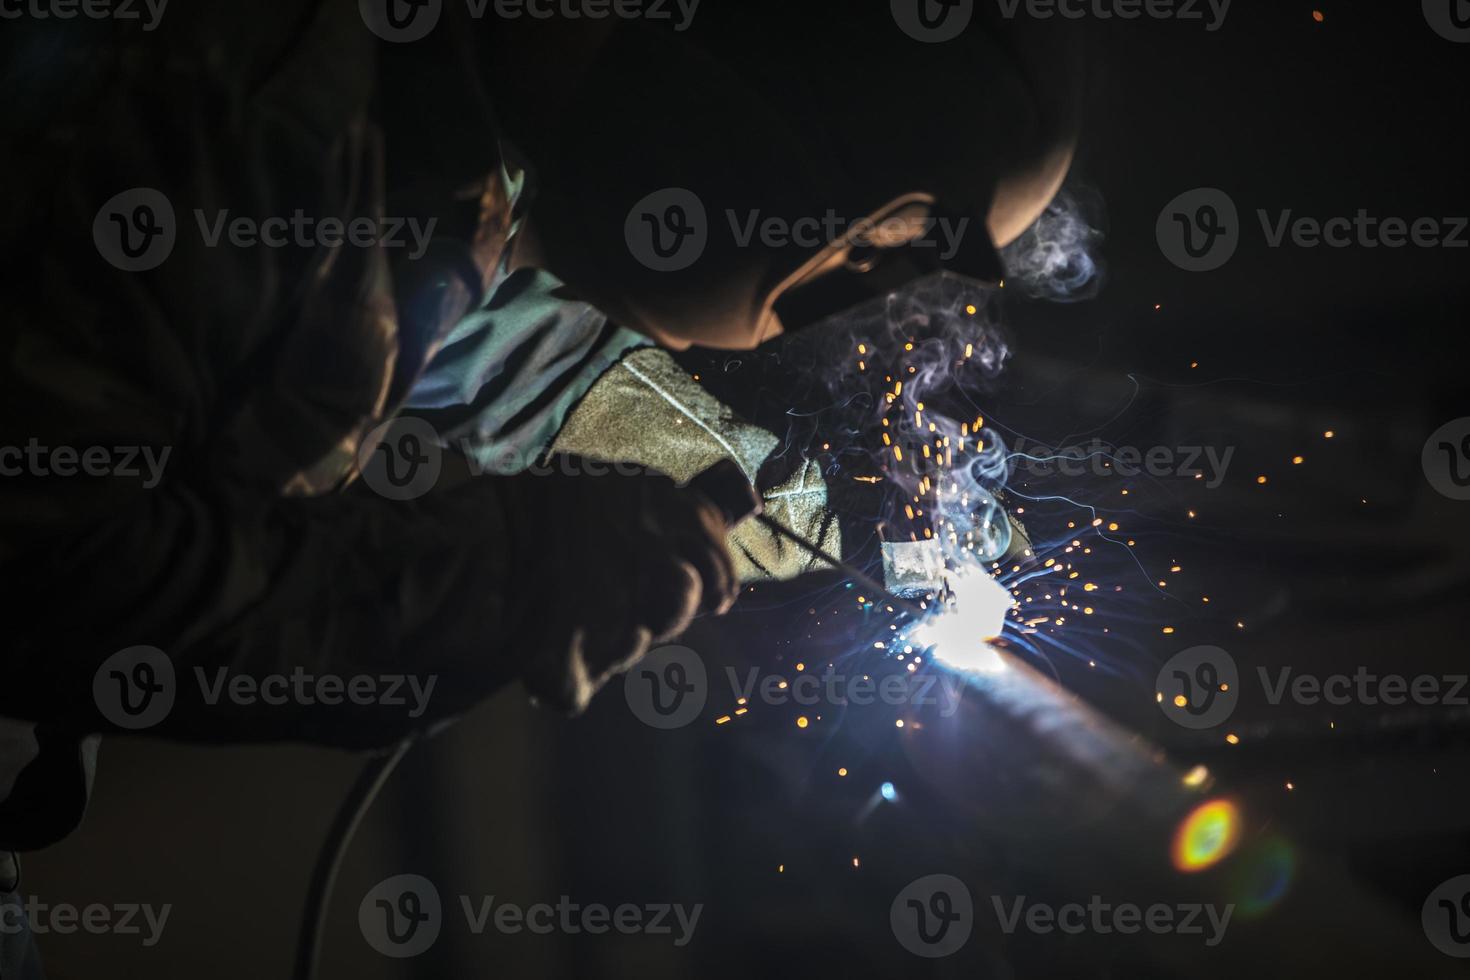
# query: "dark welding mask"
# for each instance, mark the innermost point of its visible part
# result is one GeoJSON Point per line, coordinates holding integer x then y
{"type": "Point", "coordinates": [675, 166]}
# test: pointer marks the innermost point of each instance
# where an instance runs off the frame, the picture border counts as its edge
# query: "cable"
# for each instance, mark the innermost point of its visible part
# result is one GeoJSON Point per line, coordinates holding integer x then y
{"type": "Point", "coordinates": [349, 816]}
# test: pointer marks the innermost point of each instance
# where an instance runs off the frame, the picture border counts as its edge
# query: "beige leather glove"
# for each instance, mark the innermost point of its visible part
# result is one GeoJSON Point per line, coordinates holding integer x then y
{"type": "Point", "coordinates": [647, 410]}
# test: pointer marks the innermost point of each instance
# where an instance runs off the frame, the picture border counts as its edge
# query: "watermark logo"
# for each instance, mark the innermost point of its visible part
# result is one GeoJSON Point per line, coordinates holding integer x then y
{"type": "Point", "coordinates": [1105, 918]}
{"type": "Point", "coordinates": [1446, 917]}
{"type": "Point", "coordinates": [668, 230]}
{"type": "Point", "coordinates": [1181, 10]}
{"type": "Point", "coordinates": [1199, 687]}
{"type": "Point", "coordinates": [933, 21]}
{"type": "Point", "coordinates": [668, 688]}
{"type": "Point", "coordinates": [401, 916]}
{"type": "Point", "coordinates": [573, 918]}
{"type": "Point", "coordinates": [900, 689]}
{"type": "Point", "coordinates": [1446, 459]}
{"type": "Point", "coordinates": [401, 21]}
{"type": "Point", "coordinates": [933, 916]}
{"type": "Point", "coordinates": [1365, 687]}
{"type": "Point", "coordinates": [408, 691]}
{"type": "Point", "coordinates": [1450, 19]}
{"type": "Point", "coordinates": [121, 462]}
{"type": "Point", "coordinates": [405, 21]}
{"type": "Point", "coordinates": [135, 688]}
{"type": "Point", "coordinates": [136, 230]}
{"type": "Point", "coordinates": [65, 919]}
{"type": "Point", "coordinates": [1199, 230]}
{"type": "Point", "coordinates": [150, 12]}
{"type": "Point", "coordinates": [401, 459]}
{"type": "Point", "coordinates": [1209, 464]}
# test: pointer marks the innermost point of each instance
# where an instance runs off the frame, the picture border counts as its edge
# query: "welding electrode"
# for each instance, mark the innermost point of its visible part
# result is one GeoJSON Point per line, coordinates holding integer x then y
{"type": "Point", "coordinates": [725, 486]}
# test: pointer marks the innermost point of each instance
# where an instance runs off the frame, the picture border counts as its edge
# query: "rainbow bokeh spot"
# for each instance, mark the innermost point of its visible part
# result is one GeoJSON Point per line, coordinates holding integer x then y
{"type": "Point", "coordinates": [1206, 836]}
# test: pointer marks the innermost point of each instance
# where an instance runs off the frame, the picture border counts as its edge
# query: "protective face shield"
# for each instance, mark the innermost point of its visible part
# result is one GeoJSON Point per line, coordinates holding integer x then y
{"type": "Point", "coordinates": [768, 167]}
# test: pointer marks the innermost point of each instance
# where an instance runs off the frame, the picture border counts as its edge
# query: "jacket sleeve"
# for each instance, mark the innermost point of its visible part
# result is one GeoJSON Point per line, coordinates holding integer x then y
{"type": "Point", "coordinates": [405, 599]}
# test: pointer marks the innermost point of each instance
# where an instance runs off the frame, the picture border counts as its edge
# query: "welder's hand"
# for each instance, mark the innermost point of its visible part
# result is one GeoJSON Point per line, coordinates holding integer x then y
{"type": "Point", "coordinates": [611, 564]}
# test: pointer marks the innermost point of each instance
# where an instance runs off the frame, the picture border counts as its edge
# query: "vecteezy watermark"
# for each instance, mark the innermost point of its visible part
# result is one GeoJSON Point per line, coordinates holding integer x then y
{"type": "Point", "coordinates": [1450, 19]}
{"type": "Point", "coordinates": [1200, 687]}
{"type": "Point", "coordinates": [403, 459]}
{"type": "Point", "coordinates": [669, 230]}
{"type": "Point", "coordinates": [1211, 12]}
{"type": "Point", "coordinates": [1446, 459]}
{"type": "Point", "coordinates": [299, 687]}
{"type": "Point", "coordinates": [148, 11]}
{"type": "Point", "coordinates": [1364, 687]}
{"type": "Point", "coordinates": [571, 918]}
{"type": "Point", "coordinates": [136, 688]}
{"type": "Point", "coordinates": [403, 917]}
{"type": "Point", "coordinates": [1446, 917]}
{"type": "Point", "coordinates": [1105, 918]}
{"type": "Point", "coordinates": [841, 689]}
{"type": "Point", "coordinates": [127, 462]}
{"type": "Point", "coordinates": [932, 21]}
{"type": "Point", "coordinates": [1098, 458]}
{"type": "Point", "coordinates": [933, 916]}
{"type": "Point", "coordinates": [669, 688]}
{"type": "Point", "coordinates": [97, 919]}
{"type": "Point", "coordinates": [405, 21]}
{"type": "Point", "coordinates": [1200, 230]}
{"type": "Point", "coordinates": [137, 230]}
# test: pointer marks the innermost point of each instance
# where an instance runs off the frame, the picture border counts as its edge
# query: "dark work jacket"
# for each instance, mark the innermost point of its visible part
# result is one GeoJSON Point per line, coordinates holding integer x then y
{"type": "Point", "coordinates": [260, 371]}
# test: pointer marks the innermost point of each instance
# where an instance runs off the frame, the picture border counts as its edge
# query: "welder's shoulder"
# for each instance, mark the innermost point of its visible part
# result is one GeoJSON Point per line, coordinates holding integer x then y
{"type": "Point", "coordinates": [135, 318]}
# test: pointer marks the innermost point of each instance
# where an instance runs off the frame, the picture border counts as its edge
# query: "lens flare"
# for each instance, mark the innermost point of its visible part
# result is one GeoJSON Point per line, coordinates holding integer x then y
{"type": "Point", "coordinates": [1263, 876]}
{"type": "Point", "coordinates": [1206, 836]}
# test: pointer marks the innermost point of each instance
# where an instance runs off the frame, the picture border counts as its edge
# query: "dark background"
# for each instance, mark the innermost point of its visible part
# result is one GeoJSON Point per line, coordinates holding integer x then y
{"type": "Point", "coordinates": [1348, 559]}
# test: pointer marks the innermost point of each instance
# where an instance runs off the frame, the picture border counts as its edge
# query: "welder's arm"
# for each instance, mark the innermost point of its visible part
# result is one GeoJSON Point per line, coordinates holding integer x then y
{"type": "Point", "coordinates": [230, 588]}
{"type": "Point", "coordinates": [556, 580]}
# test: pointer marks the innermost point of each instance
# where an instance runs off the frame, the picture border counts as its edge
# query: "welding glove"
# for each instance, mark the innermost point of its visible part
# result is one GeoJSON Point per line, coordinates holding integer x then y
{"type": "Point", "coordinates": [614, 559]}
{"type": "Point", "coordinates": [647, 409]}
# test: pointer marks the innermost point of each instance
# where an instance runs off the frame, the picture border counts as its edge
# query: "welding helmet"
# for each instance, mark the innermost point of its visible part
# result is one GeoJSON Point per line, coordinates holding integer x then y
{"type": "Point", "coordinates": [774, 164]}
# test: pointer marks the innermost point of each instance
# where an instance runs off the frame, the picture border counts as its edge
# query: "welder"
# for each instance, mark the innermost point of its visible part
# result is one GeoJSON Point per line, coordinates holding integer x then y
{"type": "Point", "coordinates": [529, 327]}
